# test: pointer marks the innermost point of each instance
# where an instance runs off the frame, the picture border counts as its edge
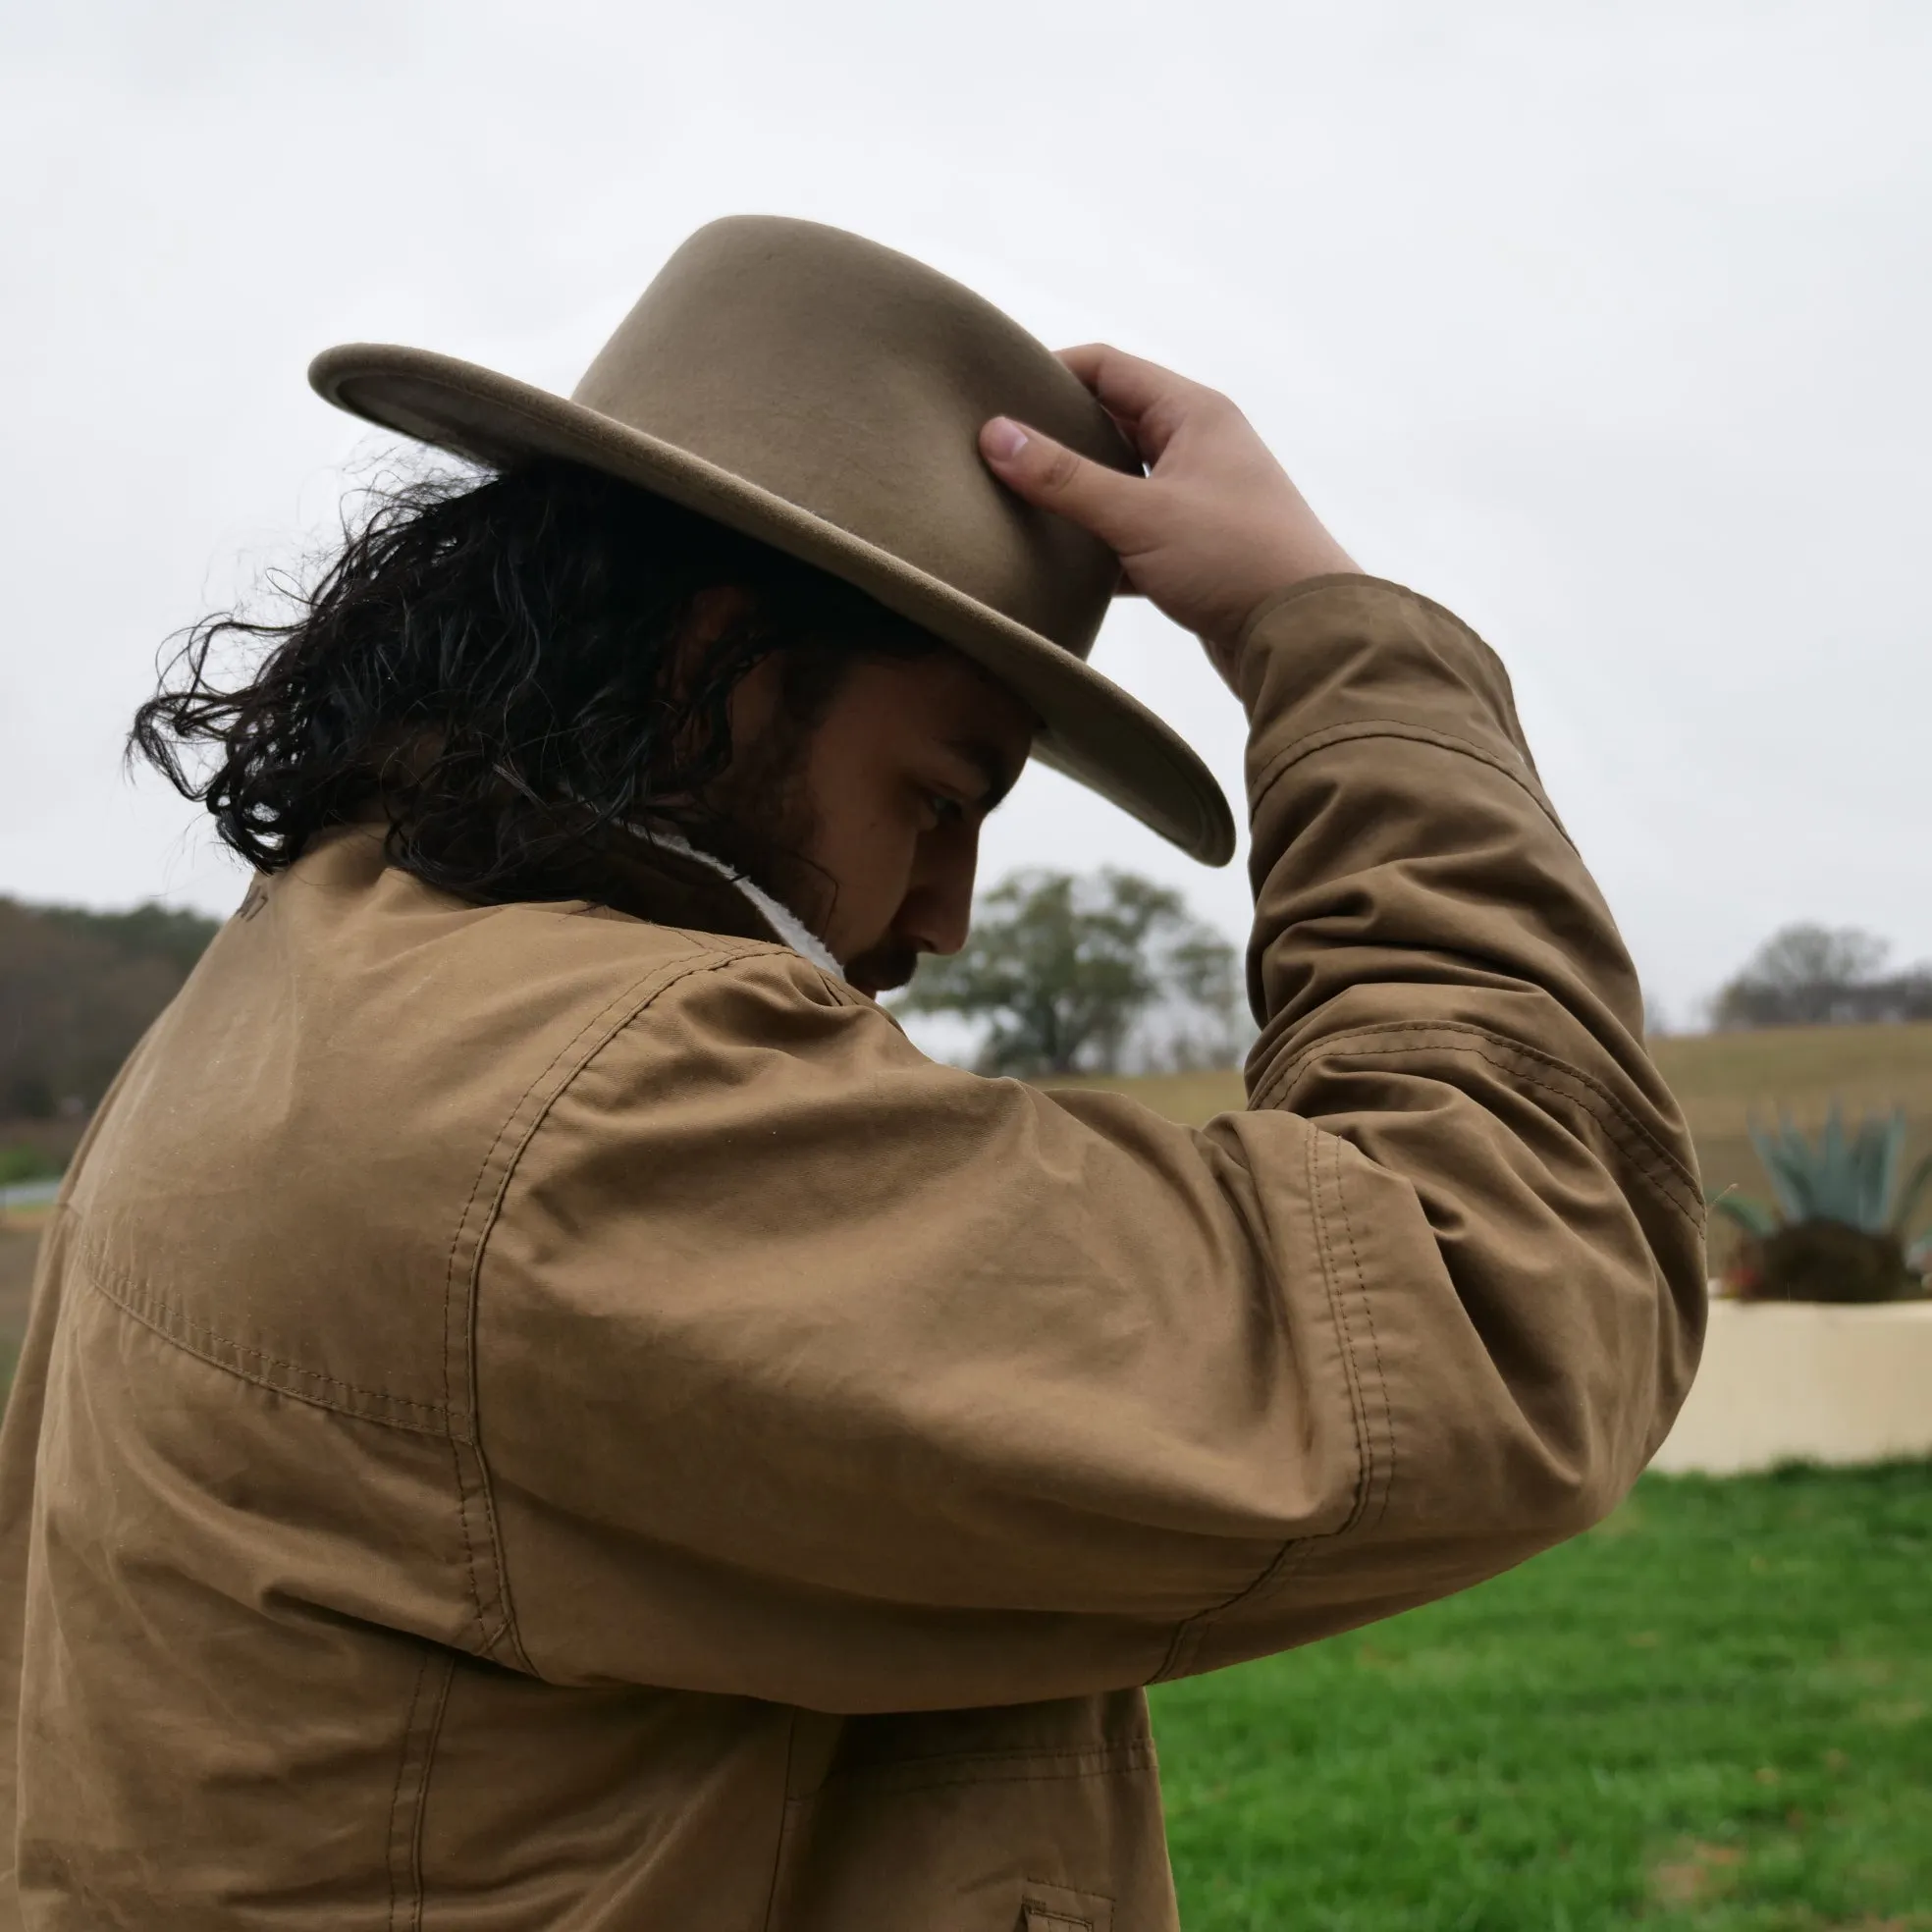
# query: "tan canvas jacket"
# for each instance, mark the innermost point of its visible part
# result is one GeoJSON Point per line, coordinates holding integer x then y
{"type": "Point", "coordinates": [539, 1419]}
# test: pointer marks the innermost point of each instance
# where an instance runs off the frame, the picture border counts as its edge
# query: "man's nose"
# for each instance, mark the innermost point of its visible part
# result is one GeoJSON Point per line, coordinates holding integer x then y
{"type": "Point", "coordinates": [938, 912]}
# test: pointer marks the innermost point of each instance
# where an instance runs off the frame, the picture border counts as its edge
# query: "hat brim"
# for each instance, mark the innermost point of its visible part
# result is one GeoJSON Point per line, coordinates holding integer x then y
{"type": "Point", "coordinates": [1091, 730]}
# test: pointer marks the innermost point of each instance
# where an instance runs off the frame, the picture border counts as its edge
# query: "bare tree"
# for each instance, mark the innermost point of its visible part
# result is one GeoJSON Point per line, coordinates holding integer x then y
{"type": "Point", "coordinates": [1812, 975]}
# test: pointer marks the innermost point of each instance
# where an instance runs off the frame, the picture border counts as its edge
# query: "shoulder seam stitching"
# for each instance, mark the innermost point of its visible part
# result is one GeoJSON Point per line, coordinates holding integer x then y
{"type": "Point", "coordinates": [163, 1317]}
{"type": "Point", "coordinates": [1186, 1643]}
{"type": "Point", "coordinates": [1396, 727]}
{"type": "Point", "coordinates": [600, 1032]}
{"type": "Point", "coordinates": [1654, 1161]}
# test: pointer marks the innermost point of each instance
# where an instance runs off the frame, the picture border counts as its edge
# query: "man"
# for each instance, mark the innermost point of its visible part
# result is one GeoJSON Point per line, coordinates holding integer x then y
{"type": "Point", "coordinates": [544, 1410]}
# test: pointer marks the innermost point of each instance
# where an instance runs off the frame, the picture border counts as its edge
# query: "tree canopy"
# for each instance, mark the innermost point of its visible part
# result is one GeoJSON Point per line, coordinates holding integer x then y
{"type": "Point", "coordinates": [1065, 972]}
{"type": "Point", "coordinates": [77, 989]}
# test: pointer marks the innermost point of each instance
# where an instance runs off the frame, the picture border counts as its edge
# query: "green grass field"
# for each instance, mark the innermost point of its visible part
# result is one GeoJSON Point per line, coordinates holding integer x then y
{"type": "Point", "coordinates": [1713, 1712]}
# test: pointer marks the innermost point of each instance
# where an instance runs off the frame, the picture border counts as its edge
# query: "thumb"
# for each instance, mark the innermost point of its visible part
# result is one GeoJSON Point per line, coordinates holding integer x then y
{"type": "Point", "coordinates": [1054, 477]}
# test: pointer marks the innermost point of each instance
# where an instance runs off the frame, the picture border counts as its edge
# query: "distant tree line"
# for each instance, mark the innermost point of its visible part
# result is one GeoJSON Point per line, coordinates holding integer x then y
{"type": "Point", "coordinates": [1810, 975]}
{"type": "Point", "coordinates": [77, 989]}
{"type": "Point", "coordinates": [1063, 973]}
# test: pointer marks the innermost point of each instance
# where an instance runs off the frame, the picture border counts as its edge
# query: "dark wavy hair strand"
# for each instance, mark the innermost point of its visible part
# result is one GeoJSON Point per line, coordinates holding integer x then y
{"type": "Point", "coordinates": [494, 667]}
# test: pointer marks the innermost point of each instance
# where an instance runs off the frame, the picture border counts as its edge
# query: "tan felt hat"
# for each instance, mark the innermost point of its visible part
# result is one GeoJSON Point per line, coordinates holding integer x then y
{"type": "Point", "coordinates": [825, 395]}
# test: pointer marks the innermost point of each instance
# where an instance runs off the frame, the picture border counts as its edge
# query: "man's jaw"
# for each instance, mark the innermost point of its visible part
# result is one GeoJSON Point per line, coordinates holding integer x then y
{"type": "Point", "coordinates": [775, 865]}
{"type": "Point", "coordinates": [882, 968]}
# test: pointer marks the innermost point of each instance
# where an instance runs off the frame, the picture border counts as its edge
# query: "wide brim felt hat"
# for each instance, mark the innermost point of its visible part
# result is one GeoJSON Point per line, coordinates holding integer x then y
{"type": "Point", "coordinates": [825, 395]}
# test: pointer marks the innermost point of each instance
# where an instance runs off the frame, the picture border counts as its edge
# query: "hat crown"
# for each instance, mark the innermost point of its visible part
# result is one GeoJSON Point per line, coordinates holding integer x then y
{"type": "Point", "coordinates": [824, 394]}
{"type": "Point", "coordinates": [852, 381]}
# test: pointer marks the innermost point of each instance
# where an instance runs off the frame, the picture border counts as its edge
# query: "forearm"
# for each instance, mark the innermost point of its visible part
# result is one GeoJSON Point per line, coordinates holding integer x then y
{"type": "Point", "coordinates": [1502, 1192]}
{"type": "Point", "coordinates": [1406, 863]}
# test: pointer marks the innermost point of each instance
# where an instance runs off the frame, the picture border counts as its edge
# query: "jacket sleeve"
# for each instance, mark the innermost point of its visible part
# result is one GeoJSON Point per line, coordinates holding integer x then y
{"type": "Point", "coordinates": [815, 1370]}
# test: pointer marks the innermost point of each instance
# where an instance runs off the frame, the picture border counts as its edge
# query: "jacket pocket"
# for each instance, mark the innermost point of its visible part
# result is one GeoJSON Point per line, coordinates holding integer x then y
{"type": "Point", "coordinates": [975, 1821]}
{"type": "Point", "coordinates": [1053, 1909]}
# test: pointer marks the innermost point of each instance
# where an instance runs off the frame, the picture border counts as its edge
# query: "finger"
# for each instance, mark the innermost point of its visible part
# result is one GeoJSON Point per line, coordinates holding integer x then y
{"type": "Point", "coordinates": [1086, 362]}
{"type": "Point", "coordinates": [1145, 398]}
{"type": "Point", "coordinates": [1047, 473]}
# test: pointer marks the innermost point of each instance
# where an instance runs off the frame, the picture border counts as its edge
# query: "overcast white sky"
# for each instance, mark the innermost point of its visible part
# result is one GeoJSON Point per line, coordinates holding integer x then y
{"type": "Point", "coordinates": [1610, 326]}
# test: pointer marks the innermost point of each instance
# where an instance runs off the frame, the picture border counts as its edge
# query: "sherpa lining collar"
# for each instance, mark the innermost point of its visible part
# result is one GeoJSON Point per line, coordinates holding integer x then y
{"type": "Point", "coordinates": [783, 922]}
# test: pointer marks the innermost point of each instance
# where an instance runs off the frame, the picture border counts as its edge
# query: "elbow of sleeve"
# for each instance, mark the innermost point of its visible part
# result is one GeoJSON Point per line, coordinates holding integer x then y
{"type": "Point", "coordinates": [1637, 1382]}
{"type": "Point", "coordinates": [1613, 1371]}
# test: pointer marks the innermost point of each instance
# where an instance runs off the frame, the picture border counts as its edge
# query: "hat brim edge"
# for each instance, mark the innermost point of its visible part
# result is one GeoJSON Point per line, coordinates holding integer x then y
{"type": "Point", "coordinates": [1093, 731]}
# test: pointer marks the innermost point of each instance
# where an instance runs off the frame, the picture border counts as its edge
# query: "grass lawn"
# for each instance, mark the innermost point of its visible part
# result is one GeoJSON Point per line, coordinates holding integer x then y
{"type": "Point", "coordinates": [1713, 1712]}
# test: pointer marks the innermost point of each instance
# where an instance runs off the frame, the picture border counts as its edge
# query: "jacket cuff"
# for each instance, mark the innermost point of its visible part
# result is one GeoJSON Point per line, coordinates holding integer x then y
{"type": "Point", "coordinates": [1276, 600]}
{"type": "Point", "coordinates": [1340, 657]}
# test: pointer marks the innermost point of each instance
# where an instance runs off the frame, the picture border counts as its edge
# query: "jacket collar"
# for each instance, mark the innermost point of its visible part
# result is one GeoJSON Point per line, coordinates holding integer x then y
{"type": "Point", "coordinates": [783, 923]}
{"type": "Point", "coordinates": [664, 878]}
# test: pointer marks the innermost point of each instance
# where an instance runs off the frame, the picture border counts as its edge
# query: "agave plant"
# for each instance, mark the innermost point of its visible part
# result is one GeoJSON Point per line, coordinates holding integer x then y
{"type": "Point", "coordinates": [1837, 1229]}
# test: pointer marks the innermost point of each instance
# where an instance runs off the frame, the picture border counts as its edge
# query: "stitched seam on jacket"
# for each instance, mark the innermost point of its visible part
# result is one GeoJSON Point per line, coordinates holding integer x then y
{"type": "Point", "coordinates": [1074, 1890]}
{"type": "Point", "coordinates": [403, 1756]}
{"type": "Point", "coordinates": [486, 1637]}
{"type": "Point", "coordinates": [1381, 1501]}
{"type": "Point", "coordinates": [1338, 1309]}
{"type": "Point", "coordinates": [1355, 581]}
{"type": "Point", "coordinates": [1394, 728]}
{"type": "Point", "coordinates": [506, 1631]}
{"type": "Point", "coordinates": [784, 1818]}
{"type": "Point", "coordinates": [1011, 1754]}
{"type": "Point", "coordinates": [628, 1004]}
{"type": "Point", "coordinates": [1297, 1551]}
{"type": "Point", "coordinates": [637, 999]}
{"type": "Point", "coordinates": [162, 1318]}
{"type": "Point", "coordinates": [1292, 1553]}
{"type": "Point", "coordinates": [1653, 1159]}
{"type": "Point", "coordinates": [430, 1744]}
{"type": "Point", "coordinates": [1049, 1914]}
{"type": "Point", "coordinates": [406, 1760]}
{"type": "Point", "coordinates": [175, 1325]}
{"type": "Point", "coordinates": [983, 1768]}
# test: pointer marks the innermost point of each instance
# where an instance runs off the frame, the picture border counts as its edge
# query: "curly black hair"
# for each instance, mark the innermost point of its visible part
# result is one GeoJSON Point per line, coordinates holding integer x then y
{"type": "Point", "coordinates": [494, 667]}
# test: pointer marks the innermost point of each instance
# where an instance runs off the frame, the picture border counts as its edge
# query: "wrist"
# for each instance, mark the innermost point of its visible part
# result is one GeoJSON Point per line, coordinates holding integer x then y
{"type": "Point", "coordinates": [1272, 572]}
{"type": "Point", "coordinates": [1240, 656]}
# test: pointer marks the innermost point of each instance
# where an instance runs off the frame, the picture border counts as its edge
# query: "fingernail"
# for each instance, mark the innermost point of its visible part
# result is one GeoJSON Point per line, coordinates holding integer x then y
{"type": "Point", "coordinates": [1002, 439]}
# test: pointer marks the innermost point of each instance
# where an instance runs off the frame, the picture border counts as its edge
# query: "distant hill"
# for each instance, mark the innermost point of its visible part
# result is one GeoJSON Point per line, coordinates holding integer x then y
{"type": "Point", "coordinates": [77, 989]}
{"type": "Point", "coordinates": [1724, 1079]}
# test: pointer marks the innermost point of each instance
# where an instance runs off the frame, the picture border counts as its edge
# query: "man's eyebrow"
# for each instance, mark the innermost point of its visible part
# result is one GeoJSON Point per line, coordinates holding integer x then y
{"type": "Point", "coordinates": [993, 766]}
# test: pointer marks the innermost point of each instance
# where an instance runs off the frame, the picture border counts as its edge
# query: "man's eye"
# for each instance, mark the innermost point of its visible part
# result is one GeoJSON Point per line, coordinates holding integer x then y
{"type": "Point", "coordinates": [945, 811]}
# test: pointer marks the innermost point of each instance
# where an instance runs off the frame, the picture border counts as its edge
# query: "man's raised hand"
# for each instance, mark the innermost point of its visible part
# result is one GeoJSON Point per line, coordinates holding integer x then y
{"type": "Point", "coordinates": [1213, 527]}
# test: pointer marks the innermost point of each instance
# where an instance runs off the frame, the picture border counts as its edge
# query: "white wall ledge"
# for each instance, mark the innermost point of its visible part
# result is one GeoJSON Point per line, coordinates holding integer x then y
{"type": "Point", "coordinates": [1806, 1382]}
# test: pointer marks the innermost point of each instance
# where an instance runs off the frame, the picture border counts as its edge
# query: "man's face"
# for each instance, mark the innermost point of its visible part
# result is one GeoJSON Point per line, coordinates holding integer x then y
{"type": "Point", "coordinates": [885, 801]}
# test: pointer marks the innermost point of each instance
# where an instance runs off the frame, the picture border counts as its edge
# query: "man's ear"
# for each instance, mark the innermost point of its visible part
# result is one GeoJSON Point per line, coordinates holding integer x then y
{"type": "Point", "coordinates": [708, 616]}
